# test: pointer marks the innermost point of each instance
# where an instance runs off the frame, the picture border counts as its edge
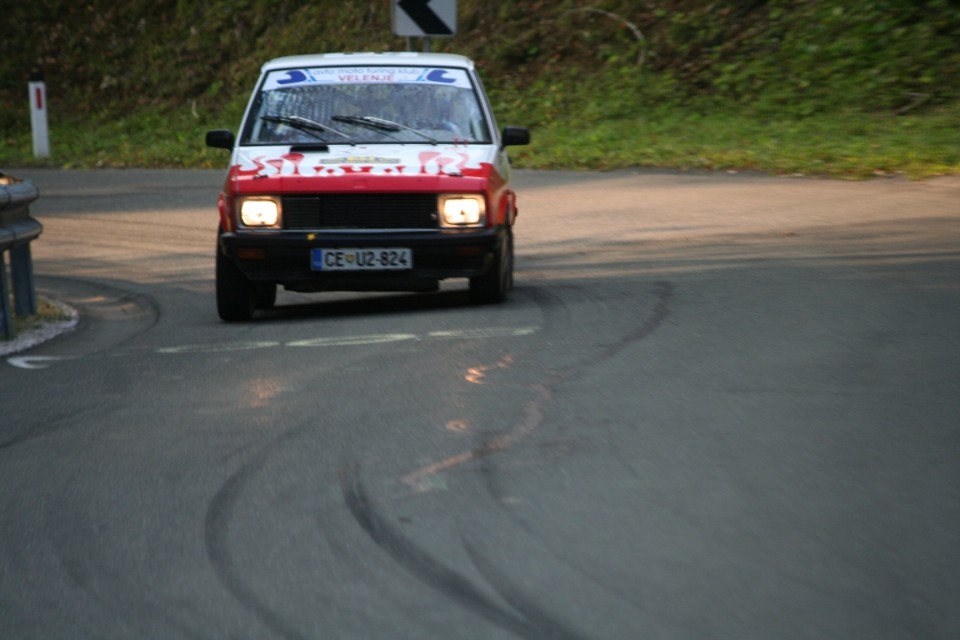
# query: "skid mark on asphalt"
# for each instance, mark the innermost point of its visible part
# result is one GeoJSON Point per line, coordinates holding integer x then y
{"type": "Point", "coordinates": [524, 621]}
{"type": "Point", "coordinates": [217, 528]}
{"type": "Point", "coordinates": [521, 615]}
{"type": "Point", "coordinates": [421, 479]}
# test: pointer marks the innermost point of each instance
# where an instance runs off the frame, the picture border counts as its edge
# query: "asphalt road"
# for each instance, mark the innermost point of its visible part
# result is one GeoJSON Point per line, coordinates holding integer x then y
{"type": "Point", "coordinates": [715, 406]}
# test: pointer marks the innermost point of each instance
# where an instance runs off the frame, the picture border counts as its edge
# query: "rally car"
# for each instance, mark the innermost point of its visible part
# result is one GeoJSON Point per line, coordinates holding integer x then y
{"type": "Point", "coordinates": [365, 172]}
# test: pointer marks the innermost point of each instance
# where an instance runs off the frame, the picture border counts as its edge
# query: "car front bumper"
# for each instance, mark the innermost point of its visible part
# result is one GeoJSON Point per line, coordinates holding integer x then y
{"type": "Point", "coordinates": [284, 257]}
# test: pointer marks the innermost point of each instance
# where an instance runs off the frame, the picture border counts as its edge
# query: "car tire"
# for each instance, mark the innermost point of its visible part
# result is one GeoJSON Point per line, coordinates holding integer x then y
{"type": "Point", "coordinates": [492, 287]}
{"type": "Point", "coordinates": [236, 293]}
{"type": "Point", "coordinates": [266, 295]}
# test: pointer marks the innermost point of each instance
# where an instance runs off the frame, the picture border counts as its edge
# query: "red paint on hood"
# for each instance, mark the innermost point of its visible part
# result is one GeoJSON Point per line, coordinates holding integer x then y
{"type": "Point", "coordinates": [297, 173]}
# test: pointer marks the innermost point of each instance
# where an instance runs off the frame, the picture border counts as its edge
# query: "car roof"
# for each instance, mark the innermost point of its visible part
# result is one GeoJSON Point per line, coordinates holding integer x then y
{"type": "Point", "coordinates": [402, 58]}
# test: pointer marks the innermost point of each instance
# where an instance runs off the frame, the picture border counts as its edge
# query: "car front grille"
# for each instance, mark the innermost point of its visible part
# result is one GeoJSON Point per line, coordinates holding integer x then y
{"type": "Point", "coordinates": [361, 211]}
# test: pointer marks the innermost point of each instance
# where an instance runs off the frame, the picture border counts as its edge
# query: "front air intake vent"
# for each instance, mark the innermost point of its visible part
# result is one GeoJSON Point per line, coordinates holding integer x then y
{"type": "Point", "coordinates": [361, 211]}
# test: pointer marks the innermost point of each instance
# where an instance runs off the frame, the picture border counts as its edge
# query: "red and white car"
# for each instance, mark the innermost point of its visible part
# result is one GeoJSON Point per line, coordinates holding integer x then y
{"type": "Point", "coordinates": [365, 172]}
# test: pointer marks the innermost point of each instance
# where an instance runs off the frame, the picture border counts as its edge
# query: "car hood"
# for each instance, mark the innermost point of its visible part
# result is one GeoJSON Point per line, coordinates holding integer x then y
{"type": "Point", "coordinates": [390, 167]}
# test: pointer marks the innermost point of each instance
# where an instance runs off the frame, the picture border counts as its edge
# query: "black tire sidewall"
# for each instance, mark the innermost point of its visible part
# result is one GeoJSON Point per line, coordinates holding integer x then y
{"type": "Point", "coordinates": [236, 294]}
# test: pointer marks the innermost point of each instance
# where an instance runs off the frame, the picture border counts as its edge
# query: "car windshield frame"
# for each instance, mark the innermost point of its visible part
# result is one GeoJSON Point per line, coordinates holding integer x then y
{"type": "Point", "coordinates": [368, 104]}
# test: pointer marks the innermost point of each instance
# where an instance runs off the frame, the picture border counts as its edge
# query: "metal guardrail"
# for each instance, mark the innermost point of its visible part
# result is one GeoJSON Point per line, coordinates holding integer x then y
{"type": "Point", "coordinates": [17, 231]}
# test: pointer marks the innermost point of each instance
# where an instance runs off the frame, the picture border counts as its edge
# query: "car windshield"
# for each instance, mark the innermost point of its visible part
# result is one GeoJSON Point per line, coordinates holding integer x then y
{"type": "Point", "coordinates": [361, 105]}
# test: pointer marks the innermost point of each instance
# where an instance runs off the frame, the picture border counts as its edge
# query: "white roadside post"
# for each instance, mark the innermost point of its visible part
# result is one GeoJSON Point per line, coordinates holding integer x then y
{"type": "Point", "coordinates": [38, 116]}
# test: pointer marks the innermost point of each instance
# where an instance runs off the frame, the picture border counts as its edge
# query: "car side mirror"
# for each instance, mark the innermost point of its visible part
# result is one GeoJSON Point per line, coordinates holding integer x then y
{"type": "Point", "coordinates": [513, 136]}
{"type": "Point", "coordinates": [220, 139]}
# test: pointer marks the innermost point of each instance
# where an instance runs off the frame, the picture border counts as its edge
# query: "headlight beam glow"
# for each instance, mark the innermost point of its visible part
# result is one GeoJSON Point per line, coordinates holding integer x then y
{"type": "Point", "coordinates": [259, 213]}
{"type": "Point", "coordinates": [462, 211]}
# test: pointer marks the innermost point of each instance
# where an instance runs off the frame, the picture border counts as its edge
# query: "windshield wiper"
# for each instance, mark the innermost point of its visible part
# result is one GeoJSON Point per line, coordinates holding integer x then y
{"type": "Point", "coordinates": [304, 124]}
{"type": "Point", "coordinates": [382, 125]}
{"type": "Point", "coordinates": [369, 121]}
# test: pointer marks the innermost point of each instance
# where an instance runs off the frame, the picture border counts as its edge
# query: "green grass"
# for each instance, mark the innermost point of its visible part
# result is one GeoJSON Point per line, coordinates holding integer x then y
{"type": "Point", "coordinates": [846, 145]}
{"type": "Point", "coordinates": [146, 138]}
{"type": "Point", "coordinates": [47, 312]}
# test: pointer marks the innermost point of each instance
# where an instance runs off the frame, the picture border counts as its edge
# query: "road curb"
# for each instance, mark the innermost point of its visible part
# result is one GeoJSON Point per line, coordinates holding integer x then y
{"type": "Point", "coordinates": [44, 333]}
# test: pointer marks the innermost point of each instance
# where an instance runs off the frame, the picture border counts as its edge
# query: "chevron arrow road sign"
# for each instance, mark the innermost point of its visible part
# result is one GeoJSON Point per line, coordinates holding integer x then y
{"type": "Point", "coordinates": [424, 18]}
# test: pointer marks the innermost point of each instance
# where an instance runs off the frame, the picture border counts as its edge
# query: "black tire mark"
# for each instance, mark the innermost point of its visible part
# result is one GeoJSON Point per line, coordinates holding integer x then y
{"type": "Point", "coordinates": [664, 292]}
{"type": "Point", "coordinates": [119, 295]}
{"type": "Point", "coordinates": [216, 533]}
{"type": "Point", "coordinates": [532, 622]}
{"type": "Point", "coordinates": [493, 488]}
{"type": "Point", "coordinates": [435, 574]}
{"type": "Point", "coordinates": [54, 425]}
{"type": "Point", "coordinates": [535, 409]}
{"type": "Point", "coordinates": [76, 546]}
{"type": "Point", "coordinates": [530, 610]}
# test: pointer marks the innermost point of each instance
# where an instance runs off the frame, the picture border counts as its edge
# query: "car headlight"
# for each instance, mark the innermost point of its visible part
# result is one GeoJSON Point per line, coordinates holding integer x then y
{"type": "Point", "coordinates": [259, 212]}
{"type": "Point", "coordinates": [462, 211]}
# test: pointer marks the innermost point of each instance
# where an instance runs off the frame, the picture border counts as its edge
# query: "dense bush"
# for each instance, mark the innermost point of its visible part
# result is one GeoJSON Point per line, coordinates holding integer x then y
{"type": "Point", "coordinates": [798, 55]}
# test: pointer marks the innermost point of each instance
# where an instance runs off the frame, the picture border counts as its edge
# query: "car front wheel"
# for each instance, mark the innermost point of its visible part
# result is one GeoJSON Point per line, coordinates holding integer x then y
{"type": "Point", "coordinates": [236, 294]}
{"type": "Point", "coordinates": [493, 286]}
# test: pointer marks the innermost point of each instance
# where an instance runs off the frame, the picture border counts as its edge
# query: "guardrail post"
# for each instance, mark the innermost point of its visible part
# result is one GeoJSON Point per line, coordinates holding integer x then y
{"type": "Point", "coordinates": [17, 231]}
{"type": "Point", "coordinates": [24, 291]}
{"type": "Point", "coordinates": [6, 319]}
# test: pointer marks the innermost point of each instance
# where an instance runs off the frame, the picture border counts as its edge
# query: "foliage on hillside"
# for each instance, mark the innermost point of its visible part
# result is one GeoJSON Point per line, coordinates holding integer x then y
{"type": "Point", "coordinates": [872, 54]}
{"type": "Point", "coordinates": [546, 61]}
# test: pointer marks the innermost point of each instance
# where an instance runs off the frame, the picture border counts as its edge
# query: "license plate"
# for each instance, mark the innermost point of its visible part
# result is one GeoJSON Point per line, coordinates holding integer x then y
{"type": "Point", "coordinates": [362, 259]}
